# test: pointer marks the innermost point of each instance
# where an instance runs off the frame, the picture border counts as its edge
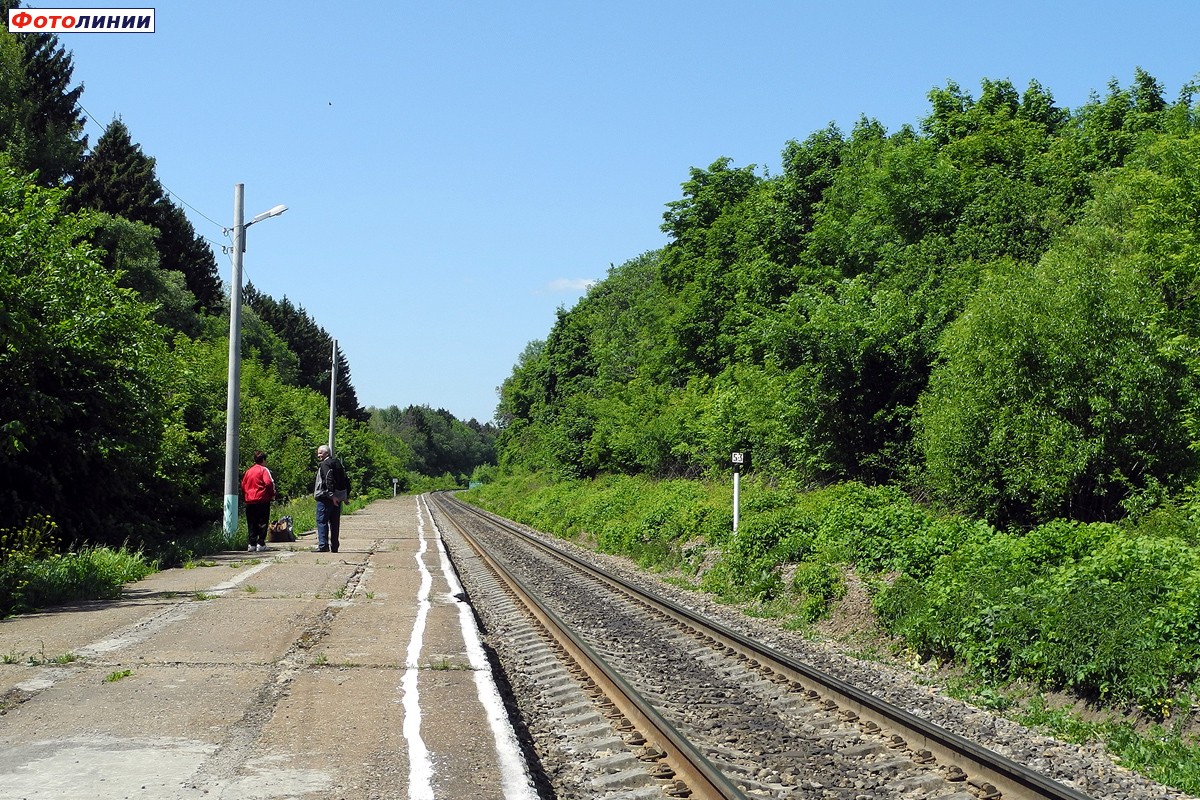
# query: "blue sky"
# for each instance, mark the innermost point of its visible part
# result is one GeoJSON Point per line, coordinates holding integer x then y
{"type": "Point", "coordinates": [456, 171]}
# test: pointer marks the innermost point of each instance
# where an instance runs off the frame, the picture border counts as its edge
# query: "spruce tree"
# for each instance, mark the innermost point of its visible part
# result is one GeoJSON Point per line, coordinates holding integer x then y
{"type": "Point", "coordinates": [183, 249]}
{"type": "Point", "coordinates": [41, 124]}
{"type": "Point", "coordinates": [57, 141]}
{"type": "Point", "coordinates": [312, 345]}
{"type": "Point", "coordinates": [118, 178]}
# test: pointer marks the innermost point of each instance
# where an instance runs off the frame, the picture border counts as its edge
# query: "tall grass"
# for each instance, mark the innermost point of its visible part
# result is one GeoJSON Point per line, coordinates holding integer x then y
{"type": "Point", "coordinates": [35, 573]}
{"type": "Point", "coordinates": [29, 581]}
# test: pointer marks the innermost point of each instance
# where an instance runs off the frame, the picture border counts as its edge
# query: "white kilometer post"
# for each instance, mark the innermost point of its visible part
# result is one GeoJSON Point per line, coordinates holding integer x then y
{"type": "Point", "coordinates": [738, 460]}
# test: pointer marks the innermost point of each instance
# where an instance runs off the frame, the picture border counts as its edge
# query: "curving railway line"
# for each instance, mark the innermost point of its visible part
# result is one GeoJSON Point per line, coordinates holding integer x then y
{"type": "Point", "coordinates": [625, 693]}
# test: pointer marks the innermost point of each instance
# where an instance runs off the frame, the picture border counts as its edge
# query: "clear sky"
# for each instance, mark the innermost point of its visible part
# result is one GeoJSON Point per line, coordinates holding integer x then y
{"type": "Point", "coordinates": [456, 171]}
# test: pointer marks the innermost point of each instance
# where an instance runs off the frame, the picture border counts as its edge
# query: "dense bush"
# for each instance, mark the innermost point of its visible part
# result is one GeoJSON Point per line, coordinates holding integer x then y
{"type": "Point", "coordinates": [657, 523]}
{"type": "Point", "coordinates": [1110, 612]}
{"type": "Point", "coordinates": [993, 308]}
{"type": "Point", "coordinates": [34, 574]}
{"type": "Point", "coordinates": [1106, 612]}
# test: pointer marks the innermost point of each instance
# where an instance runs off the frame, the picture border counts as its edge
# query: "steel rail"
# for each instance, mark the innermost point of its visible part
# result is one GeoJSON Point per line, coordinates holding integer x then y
{"type": "Point", "coordinates": [994, 774]}
{"type": "Point", "coordinates": [703, 781]}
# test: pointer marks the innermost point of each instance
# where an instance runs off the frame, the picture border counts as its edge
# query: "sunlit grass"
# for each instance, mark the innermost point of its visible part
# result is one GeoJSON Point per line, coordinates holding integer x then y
{"type": "Point", "coordinates": [39, 658]}
{"type": "Point", "coordinates": [28, 583]}
{"type": "Point", "coordinates": [1162, 753]}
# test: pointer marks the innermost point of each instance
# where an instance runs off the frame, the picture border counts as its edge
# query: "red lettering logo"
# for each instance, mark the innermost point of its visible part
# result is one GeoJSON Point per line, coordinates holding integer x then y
{"type": "Point", "coordinates": [81, 20]}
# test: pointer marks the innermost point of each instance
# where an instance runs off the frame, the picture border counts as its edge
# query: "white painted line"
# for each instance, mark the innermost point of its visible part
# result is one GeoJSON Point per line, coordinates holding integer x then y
{"type": "Point", "coordinates": [515, 778]}
{"type": "Point", "coordinates": [420, 766]}
{"type": "Point", "coordinates": [242, 577]}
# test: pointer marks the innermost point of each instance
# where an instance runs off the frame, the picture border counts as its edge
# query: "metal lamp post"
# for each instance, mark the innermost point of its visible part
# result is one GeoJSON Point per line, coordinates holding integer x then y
{"type": "Point", "coordinates": [332, 394]}
{"type": "Point", "coordinates": [233, 412]}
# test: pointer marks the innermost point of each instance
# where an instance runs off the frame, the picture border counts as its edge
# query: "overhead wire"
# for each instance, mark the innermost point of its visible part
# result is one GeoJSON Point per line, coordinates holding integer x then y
{"type": "Point", "coordinates": [174, 195]}
{"type": "Point", "coordinates": [226, 248]}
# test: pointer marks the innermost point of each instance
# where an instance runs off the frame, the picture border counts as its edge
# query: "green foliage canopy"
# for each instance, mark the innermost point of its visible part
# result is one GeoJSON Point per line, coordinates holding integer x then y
{"type": "Point", "coordinates": [83, 412]}
{"type": "Point", "coordinates": [994, 307]}
{"type": "Point", "coordinates": [113, 339]}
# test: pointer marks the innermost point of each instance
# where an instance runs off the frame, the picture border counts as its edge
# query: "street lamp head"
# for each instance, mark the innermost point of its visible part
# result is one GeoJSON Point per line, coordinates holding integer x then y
{"type": "Point", "coordinates": [274, 212]}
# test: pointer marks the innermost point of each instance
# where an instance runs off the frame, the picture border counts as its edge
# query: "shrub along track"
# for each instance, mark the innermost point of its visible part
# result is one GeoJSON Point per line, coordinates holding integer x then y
{"type": "Point", "coordinates": [770, 724]}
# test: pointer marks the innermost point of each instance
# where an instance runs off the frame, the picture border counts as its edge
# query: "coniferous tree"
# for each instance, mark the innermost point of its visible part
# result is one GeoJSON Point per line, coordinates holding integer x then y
{"type": "Point", "coordinates": [41, 124]}
{"type": "Point", "coordinates": [313, 347]}
{"type": "Point", "coordinates": [119, 179]}
{"type": "Point", "coordinates": [347, 397]}
{"type": "Point", "coordinates": [14, 133]}
{"type": "Point", "coordinates": [56, 122]}
{"type": "Point", "coordinates": [182, 249]}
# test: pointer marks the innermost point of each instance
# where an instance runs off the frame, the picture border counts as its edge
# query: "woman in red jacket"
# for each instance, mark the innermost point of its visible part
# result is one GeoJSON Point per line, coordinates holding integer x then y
{"type": "Point", "coordinates": [258, 488]}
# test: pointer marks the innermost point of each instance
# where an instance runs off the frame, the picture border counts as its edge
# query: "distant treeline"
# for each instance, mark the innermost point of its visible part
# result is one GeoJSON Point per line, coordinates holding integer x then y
{"type": "Point", "coordinates": [114, 331]}
{"type": "Point", "coordinates": [997, 308]}
{"type": "Point", "coordinates": [438, 442]}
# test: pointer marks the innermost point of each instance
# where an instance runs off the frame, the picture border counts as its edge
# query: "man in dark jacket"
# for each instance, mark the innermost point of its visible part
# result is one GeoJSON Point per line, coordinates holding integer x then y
{"type": "Point", "coordinates": [329, 493]}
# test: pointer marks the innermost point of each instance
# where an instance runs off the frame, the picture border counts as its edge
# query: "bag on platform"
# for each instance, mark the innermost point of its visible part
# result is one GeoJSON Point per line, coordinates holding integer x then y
{"type": "Point", "coordinates": [281, 530]}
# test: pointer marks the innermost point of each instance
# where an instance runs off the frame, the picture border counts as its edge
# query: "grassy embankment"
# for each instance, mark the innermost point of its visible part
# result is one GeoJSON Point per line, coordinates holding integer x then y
{"type": "Point", "coordinates": [1106, 614]}
{"type": "Point", "coordinates": [35, 573]}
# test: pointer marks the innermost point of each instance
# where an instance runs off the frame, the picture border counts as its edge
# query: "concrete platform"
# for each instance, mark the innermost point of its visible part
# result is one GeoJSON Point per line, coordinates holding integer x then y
{"type": "Point", "coordinates": [286, 674]}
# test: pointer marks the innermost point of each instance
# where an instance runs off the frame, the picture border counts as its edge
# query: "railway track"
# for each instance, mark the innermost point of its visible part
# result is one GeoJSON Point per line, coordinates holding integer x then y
{"type": "Point", "coordinates": [651, 699]}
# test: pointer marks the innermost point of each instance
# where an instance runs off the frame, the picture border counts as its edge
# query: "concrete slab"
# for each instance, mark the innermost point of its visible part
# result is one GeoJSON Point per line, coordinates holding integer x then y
{"type": "Point", "coordinates": [279, 677]}
{"type": "Point", "coordinates": [370, 633]}
{"type": "Point", "coordinates": [110, 768]}
{"type": "Point", "coordinates": [177, 702]}
{"type": "Point", "coordinates": [229, 630]}
{"type": "Point", "coordinates": [300, 577]}
{"type": "Point", "coordinates": [447, 731]}
{"type": "Point", "coordinates": [50, 634]}
{"type": "Point", "coordinates": [324, 727]}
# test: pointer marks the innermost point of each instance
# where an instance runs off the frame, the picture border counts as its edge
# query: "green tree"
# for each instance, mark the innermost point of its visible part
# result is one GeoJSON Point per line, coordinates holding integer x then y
{"type": "Point", "coordinates": [804, 315]}
{"type": "Point", "coordinates": [386, 423]}
{"type": "Point", "coordinates": [41, 123]}
{"type": "Point", "coordinates": [313, 348]}
{"type": "Point", "coordinates": [183, 250]}
{"type": "Point", "coordinates": [696, 265]}
{"type": "Point", "coordinates": [371, 460]}
{"type": "Point", "coordinates": [84, 415]}
{"type": "Point", "coordinates": [118, 178]}
{"type": "Point", "coordinates": [128, 249]}
{"type": "Point", "coordinates": [14, 109]}
{"type": "Point", "coordinates": [435, 442]}
{"type": "Point", "coordinates": [287, 423]}
{"type": "Point", "coordinates": [1059, 393]}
